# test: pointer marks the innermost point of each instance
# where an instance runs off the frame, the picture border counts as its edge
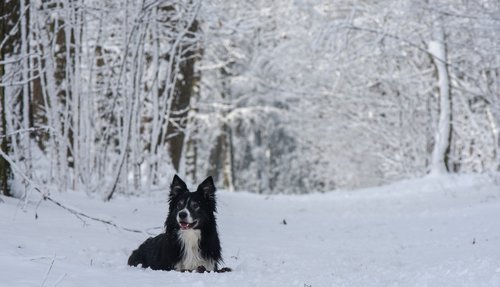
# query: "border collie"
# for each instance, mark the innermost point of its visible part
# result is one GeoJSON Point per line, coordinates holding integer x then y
{"type": "Point", "coordinates": [190, 241]}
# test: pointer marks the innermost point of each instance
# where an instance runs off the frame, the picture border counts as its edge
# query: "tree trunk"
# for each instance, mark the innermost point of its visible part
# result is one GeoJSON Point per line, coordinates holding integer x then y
{"type": "Point", "coordinates": [5, 170]}
{"type": "Point", "coordinates": [9, 17]}
{"type": "Point", "coordinates": [441, 150]}
{"type": "Point", "coordinates": [222, 157]}
{"type": "Point", "coordinates": [180, 105]}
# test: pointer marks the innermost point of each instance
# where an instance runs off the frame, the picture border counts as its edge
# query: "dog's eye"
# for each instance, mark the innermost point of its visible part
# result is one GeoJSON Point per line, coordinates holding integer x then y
{"type": "Point", "coordinates": [195, 205]}
{"type": "Point", "coordinates": [180, 205]}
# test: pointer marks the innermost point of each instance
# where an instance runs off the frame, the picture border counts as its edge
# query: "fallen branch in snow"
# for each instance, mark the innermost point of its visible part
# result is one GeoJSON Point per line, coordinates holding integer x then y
{"type": "Point", "coordinates": [81, 214]}
{"type": "Point", "coordinates": [46, 196]}
{"type": "Point", "coordinates": [48, 271]}
{"type": "Point", "coordinates": [60, 279]}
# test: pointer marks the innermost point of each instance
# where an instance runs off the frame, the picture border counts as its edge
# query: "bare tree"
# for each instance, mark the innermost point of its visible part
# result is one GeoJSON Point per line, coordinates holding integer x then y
{"type": "Point", "coordinates": [10, 29]}
{"type": "Point", "coordinates": [443, 133]}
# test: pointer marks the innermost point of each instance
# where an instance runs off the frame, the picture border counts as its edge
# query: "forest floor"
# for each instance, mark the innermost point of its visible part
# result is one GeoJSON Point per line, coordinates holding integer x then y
{"type": "Point", "coordinates": [439, 231]}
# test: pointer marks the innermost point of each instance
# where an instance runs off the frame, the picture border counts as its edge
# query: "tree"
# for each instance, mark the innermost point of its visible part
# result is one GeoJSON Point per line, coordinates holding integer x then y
{"type": "Point", "coordinates": [186, 87]}
{"type": "Point", "coordinates": [443, 133]}
{"type": "Point", "coordinates": [10, 14]}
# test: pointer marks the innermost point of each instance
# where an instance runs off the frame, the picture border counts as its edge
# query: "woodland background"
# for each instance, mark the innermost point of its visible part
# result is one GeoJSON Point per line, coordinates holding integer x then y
{"type": "Point", "coordinates": [284, 96]}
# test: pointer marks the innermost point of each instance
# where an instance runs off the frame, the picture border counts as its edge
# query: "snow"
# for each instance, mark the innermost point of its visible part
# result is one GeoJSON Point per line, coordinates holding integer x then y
{"type": "Point", "coordinates": [434, 231]}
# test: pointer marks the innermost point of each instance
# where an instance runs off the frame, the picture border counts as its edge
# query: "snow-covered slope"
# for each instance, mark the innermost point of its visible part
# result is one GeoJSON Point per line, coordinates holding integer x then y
{"type": "Point", "coordinates": [441, 231]}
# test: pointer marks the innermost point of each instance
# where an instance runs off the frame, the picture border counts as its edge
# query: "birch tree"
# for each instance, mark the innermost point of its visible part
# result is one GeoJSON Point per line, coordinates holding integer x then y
{"type": "Point", "coordinates": [443, 132]}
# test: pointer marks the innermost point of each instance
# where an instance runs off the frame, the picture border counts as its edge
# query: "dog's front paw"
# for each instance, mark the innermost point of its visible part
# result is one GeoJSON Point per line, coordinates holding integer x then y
{"type": "Point", "coordinates": [201, 269]}
{"type": "Point", "coordinates": [224, 269]}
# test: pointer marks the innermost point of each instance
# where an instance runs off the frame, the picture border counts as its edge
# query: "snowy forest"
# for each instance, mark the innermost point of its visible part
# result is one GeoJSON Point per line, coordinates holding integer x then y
{"type": "Point", "coordinates": [351, 142]}
{"type": "Point", "coordinates": [284, 96]}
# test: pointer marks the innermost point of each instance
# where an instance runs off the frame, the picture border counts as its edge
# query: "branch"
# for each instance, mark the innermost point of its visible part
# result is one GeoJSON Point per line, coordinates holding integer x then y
{"type": "Point", "coordinates": [395, 37]}
{"type": "Point", "coordinates": [458, 15]}
{"type": "Point", "coordinates": [424, 50]}
{"type": "Point", "coordinates": [46, 196]}
{"type": "Point", "coordinates": [28, 130]}
{"type": "Point", "coordinates": [48, 270]}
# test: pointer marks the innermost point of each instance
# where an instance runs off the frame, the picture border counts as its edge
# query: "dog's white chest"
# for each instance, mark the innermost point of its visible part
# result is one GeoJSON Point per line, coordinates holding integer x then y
{"type": "Point", "coordinates": [191, 253]}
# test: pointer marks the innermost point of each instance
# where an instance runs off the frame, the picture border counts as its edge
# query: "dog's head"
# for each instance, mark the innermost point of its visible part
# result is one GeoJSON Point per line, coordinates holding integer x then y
{"type": "Point", "coordinates": [191, 210]}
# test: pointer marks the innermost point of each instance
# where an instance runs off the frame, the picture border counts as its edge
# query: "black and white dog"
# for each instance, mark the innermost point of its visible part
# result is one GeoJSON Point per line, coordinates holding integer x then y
{"type": "Point", "coordinates": [190, 241]}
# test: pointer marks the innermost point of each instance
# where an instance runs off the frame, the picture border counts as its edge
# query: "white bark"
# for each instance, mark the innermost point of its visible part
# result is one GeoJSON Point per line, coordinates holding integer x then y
{"type": "Point", "coordinates": [24, 76]}
{"type": "Point", "coordinates": [442, 135]}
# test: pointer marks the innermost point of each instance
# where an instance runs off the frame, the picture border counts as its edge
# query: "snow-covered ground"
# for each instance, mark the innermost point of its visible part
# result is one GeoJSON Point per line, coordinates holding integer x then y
{"type": "Point", "coordinates": [440, 231]}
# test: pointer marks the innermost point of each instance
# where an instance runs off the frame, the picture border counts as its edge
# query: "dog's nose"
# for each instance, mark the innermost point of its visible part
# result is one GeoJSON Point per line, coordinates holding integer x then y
{"type": "Point", "coordinates": [183, 215]}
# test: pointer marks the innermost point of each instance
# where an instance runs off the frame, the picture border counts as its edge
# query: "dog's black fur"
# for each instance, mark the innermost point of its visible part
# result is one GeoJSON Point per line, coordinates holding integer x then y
{"type": "Point", "coordinates": [190, 225]}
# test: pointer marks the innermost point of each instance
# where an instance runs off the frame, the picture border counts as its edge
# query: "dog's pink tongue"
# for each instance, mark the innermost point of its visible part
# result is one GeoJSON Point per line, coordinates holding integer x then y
{"type": "Point", "coordinates": [184, 225]}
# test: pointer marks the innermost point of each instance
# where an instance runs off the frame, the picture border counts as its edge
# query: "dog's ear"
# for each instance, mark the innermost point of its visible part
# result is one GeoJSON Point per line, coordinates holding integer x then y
{"type": "Point", "coordinates": [177, 187]}
{"type": "Point", "coordinates": [207, 188]}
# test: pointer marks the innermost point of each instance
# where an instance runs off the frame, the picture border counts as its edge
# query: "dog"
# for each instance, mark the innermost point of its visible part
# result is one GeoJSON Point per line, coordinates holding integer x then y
{"type": "Point", "coordinates": [190, 242]}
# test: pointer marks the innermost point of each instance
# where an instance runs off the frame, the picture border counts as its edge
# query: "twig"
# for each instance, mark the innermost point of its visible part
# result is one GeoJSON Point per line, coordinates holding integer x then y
{"type": "Point", "coordinates": [411, 44]}
{"type": "Point", "coordinates": [60, 279]}
{"type": "Point", "coordinates": [29, 130]}
{"type": "Point", "coordinates": [48, 271]}
{"type": "Point", "coordinates": [47, 197]}
{"type": "Point", "coordinates": [81, 214]}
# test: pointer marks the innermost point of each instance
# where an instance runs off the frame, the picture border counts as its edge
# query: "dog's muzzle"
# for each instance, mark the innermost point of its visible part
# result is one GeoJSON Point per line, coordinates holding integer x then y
{"type": "Point", "coordinates": [185, 220]}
